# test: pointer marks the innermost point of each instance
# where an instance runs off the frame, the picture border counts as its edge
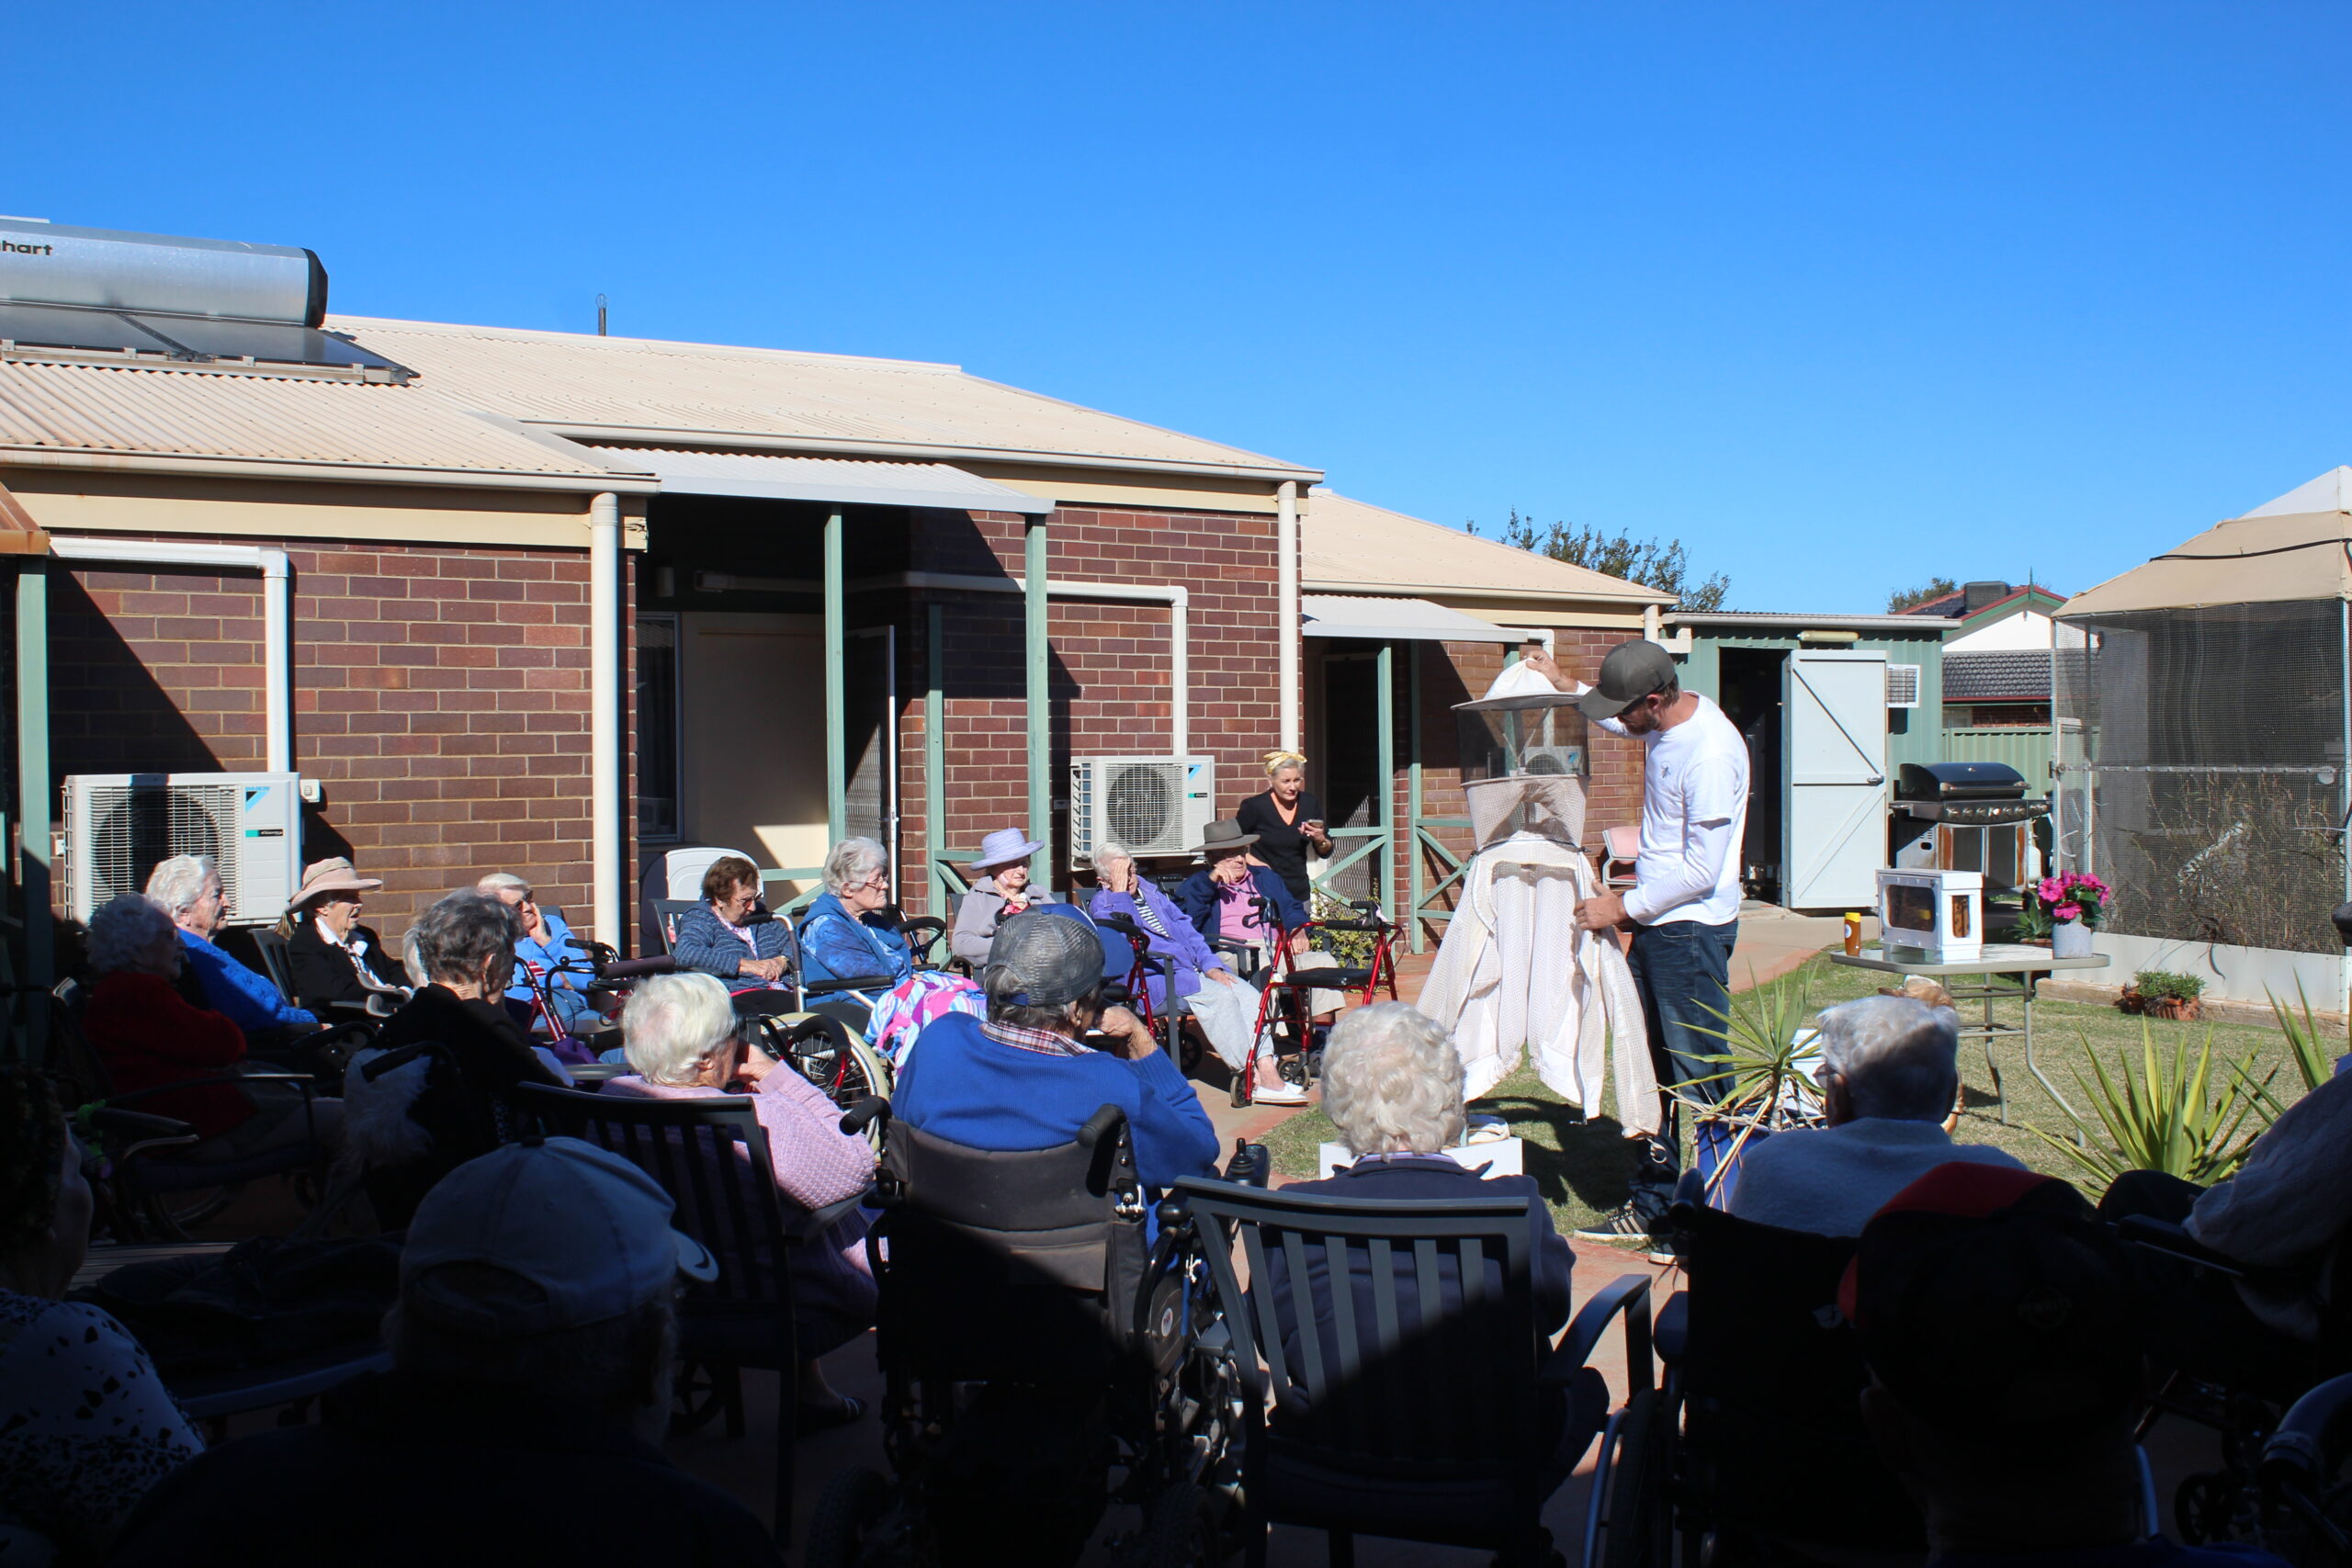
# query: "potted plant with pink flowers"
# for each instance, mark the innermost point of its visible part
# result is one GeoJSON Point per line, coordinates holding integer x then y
{"type": "Point", "coordinates": [2067, 907]}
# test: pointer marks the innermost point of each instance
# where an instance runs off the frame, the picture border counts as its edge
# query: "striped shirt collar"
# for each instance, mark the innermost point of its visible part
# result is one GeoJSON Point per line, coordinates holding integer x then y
{"type": "Point", "coordinates": [1043, 1041]}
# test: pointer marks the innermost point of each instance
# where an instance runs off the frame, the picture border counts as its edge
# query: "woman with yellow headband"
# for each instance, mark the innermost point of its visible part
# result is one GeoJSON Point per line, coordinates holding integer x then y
{"type": "Point", "coordinates": [1287, 820]}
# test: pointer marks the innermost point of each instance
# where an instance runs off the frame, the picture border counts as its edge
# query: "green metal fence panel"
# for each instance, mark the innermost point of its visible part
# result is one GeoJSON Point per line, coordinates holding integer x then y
{"type": "Point", "coordinates": [2028, 751]}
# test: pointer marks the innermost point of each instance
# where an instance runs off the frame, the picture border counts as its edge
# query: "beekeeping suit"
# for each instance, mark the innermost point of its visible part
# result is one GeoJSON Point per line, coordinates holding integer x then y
{"type": "Point", "coordinates": [1515, 975]}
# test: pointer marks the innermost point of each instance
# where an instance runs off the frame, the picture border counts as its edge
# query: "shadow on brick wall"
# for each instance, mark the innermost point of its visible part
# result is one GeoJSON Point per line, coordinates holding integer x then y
{"type": "Point", "coordinates": [107, 714]}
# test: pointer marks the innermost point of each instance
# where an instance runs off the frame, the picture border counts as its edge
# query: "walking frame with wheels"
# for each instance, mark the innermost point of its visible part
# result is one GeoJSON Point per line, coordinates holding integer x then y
{"type": "Point", "coordinates": [1284, 1011]}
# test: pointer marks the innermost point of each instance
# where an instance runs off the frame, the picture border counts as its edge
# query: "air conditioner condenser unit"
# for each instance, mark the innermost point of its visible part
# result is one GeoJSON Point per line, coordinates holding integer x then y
{"type": "Point", "coordinates": [1153, 806]}
{"type": "Point", "coordinates": [119, 824]}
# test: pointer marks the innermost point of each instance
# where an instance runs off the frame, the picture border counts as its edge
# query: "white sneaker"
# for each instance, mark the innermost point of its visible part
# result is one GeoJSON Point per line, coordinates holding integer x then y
{"type": "Point", "coordinates": [1283, 1093]}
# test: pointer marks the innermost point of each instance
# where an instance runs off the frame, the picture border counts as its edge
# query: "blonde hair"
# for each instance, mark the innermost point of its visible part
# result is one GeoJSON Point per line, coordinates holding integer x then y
{"type": "Point", "coordinates": [1277, 761]}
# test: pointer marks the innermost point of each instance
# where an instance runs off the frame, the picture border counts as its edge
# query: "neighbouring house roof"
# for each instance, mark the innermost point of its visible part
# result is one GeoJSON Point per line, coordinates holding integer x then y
{"type": "Point", "coordinates": [2007, 675]}
{"type": "Point", "coordinates": [100, 417]}
{"type": "Point", "coordinates": [2031, 596]}
{"type": "Point", "coordinates": [1949, 604]}
{"type": "Point", "coordinates": [1352, 547]}
{"type": "Point", "coordinates": [716, 395]}
{"type": "Point", "coordinates": [1776, 623]}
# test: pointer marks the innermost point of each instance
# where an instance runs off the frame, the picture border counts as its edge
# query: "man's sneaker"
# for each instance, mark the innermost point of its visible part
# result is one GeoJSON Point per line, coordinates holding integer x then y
{"type": "Point", "coordinates": [1622, 1224]}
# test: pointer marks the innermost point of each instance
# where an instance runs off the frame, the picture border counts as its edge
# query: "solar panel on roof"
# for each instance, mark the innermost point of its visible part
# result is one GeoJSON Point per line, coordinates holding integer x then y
{"type": "Point", "coordinates": [209, 342]}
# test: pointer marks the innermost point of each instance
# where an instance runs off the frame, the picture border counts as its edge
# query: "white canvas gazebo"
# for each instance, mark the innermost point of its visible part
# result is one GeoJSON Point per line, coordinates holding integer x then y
{"type": "Point", "coordinates": [2204, 711]}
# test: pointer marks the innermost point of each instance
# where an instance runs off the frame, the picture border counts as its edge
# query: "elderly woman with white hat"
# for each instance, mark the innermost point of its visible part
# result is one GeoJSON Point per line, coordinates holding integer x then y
{"type": "Point", "coordinates": [1002, 892]}
{"type": "Point", "coordinates": [338, 963]}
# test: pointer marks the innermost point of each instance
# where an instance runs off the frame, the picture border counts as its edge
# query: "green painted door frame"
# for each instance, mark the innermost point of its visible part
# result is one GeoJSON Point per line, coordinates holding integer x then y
{"type": "Point", "coordinates": [35, 793]}
{"type": "Point", "coordinates": [1040, 694]}
{"type": "Point", "coordinates": [836, 688]}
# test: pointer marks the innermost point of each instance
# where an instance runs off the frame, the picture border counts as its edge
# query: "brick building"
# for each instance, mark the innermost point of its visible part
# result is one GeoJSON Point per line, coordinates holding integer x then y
{"type": "Point", "coordinates": [557, 603]}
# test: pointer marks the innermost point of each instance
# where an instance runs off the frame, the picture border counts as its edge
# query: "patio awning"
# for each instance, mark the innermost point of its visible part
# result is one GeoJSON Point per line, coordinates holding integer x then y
{"type": "Point", "coordinates": [1394, 620]}
{"type": "Point", "coordinates": [840, 481]}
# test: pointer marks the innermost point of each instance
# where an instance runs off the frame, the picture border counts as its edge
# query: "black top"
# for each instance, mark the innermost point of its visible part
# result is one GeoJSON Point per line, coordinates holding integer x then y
{"type": "Point", "coordinates": [1280, 844]}
{"type": "Point", "coordinates": [401, 1473]}
{"type": "Point", "coordinates": [325, 972]}
{"type": "Point", "coordinates": [467, 1100]}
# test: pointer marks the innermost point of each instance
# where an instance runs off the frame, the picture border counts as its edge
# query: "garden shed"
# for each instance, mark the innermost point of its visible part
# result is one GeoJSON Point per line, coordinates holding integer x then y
{"type": "Point", "coordinates": [2203, 710]}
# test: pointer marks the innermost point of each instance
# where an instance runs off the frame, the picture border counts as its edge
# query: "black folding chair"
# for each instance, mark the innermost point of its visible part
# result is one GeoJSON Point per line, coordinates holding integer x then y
{"type": "Point", "coordinates": [711, 1156]}
{"type": "Point", "coordinates": [1452, 1424]}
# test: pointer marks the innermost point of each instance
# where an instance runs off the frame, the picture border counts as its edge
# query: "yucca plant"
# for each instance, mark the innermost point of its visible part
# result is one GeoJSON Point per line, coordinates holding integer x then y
{"type": "Point", "coordinates": [1767, 1075]}
{"type": "Point", "coordinates": [2312, 1052]}
{"type": "Point", "coordinates": [2173, 1119]}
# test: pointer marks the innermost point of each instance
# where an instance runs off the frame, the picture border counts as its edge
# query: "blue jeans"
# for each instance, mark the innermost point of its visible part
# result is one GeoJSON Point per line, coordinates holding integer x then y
{"type": "Point", "coordinates": [1682, 970]}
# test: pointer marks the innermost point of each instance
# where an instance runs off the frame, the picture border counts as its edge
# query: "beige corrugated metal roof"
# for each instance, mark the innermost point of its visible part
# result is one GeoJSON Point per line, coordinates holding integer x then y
{"type": "Point", "coordinates": [629, 388]}
{"type": "Point", "coordinates": [846, 480]}
{"type": "Point", "coordinates": [80, 409]}
{"type": "Point", "coordinates": [1411, 620]}
{"type": "Point", "coordinates": [1352, 547]}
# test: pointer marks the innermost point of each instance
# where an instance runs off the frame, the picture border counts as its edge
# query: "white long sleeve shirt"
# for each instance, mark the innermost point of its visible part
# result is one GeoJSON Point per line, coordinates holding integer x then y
{"type": "Point", "coordinates": [1694, 817]}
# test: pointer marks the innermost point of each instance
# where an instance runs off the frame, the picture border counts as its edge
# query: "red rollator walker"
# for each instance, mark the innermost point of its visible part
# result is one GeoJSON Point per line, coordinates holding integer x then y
{"type": "Point", "coordinates": [1284, 1013]}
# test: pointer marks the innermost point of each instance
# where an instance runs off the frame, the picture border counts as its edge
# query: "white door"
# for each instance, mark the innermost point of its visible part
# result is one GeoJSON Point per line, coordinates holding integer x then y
{"type": "Point", "coordinates": [1832, 816]}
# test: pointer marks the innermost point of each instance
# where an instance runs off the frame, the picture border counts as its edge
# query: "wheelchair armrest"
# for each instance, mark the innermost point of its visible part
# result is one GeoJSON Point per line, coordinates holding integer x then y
{"type": "Point", "coordinates": [636, 968]}
{"type": "Point", "coordinates": [2173, 1241]}
{"type": "Point", "coordinates": [1672, 1329]}
{"type": "Point", "coordinates": [1123, 924]}
{"type": "Point", "coordinates": [865, 1113]}
{"type": "Point", "coordinates": [856, 983]}
{"type": "Point", "coordinates": [1366, 924]}
{"type": "Point", "coordinates": [1251, 1164]}
{"type": "Point", "coordinates": [820, 1221]}
{"type": "Point", "coordinates": [1104, 1123]}
{"type": "Point", "coordinates": [1628, 1294]}
{"type": "Point", "coordinates": [209, 1079]}
{"type": "Point", "coordinates": [399, 1057]}
{"type": "Point", "coordinates": [140, 1124]}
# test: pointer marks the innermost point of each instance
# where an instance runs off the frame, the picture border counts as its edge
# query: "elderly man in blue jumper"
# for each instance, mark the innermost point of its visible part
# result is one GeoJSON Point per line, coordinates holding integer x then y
{"type": "Point", "coordinates": [1026, 1080]}
{"type": "Point", "coordinates": [1890, 1071]}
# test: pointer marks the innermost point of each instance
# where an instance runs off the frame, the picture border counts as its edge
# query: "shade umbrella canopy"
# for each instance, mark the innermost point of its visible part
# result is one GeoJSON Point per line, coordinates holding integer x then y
{"type": "Point", "coordinates": [1521, 688]}
{"type": "Point", "coordinates": [2258, 558]}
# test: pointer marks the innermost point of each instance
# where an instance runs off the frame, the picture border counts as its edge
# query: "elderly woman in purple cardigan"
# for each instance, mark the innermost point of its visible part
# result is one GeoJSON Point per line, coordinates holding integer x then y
{"type": "Point", "coordinates": [679, 1033]}
{"type": "Point", "coordinates": [1170, 935]}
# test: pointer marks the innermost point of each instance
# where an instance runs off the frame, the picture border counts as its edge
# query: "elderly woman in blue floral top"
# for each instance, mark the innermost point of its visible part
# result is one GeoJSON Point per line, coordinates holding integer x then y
{"type": "Point", "coordinates": [851, 931]}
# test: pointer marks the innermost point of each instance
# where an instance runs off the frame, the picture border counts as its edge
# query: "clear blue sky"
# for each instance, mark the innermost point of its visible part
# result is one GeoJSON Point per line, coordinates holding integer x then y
{"type": "Point", "coordinates": [1841, 295]}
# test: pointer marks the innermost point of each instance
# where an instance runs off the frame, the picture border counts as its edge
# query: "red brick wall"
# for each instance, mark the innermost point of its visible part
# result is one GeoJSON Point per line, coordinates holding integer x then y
{"type": "Point", "coordinates": [1109, 673]}
{"type": "Point", "coordinates": [441, 697]}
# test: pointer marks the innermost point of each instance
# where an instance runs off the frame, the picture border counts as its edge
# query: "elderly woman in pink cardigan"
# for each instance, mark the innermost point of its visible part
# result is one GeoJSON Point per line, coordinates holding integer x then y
{"type": "Point", "coordinates": [678, 1031]}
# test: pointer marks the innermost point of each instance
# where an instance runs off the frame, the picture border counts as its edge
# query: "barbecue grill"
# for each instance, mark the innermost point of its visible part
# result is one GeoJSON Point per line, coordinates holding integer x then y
{"type": "Point", "coordinates": [1965, 794]}
{"type": "Point", "coordinates": [1963, 816]}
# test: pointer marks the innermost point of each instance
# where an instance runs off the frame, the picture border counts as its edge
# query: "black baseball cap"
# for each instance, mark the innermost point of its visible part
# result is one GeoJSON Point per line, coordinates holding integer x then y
{"type": "Point", "coordinates": [1989, 1300]}
{"type": "Point", "coordinates": [1629, 672]}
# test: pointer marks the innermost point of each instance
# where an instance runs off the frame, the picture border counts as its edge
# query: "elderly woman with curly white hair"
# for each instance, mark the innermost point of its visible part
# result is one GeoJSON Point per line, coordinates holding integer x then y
{"type": "Point", "coordinates": [852, 929]}
{"type": "Point", "coordinates": [1392, 1085]}
{"type": "Point", "coordinates": [683, 1041]}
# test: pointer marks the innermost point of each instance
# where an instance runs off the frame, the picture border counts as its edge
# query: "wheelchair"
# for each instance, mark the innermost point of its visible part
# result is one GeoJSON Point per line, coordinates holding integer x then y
{"type": "Point", "coordinates": [2249, 1401]}
{"type": "Point", "coordinates": [1043, 1357]}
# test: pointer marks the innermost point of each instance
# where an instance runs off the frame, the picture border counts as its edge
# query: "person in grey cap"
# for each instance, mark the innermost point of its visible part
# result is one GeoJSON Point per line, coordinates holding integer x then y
{"type": "Point", "coordinates": [532, 1351]}
{"type": "Point", "coordinates": [1683, 909]}
{"type": "Point", "coordinates": [1026, 1080]}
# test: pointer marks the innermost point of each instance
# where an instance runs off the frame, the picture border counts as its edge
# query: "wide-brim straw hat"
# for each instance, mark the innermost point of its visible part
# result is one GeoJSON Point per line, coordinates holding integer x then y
{"type": "Point", "coordinates": [1003, 847]}
{"type": "Point", "coordinates": [1225, 835]}
{"type": "Point", "coordinates": [336, 876]}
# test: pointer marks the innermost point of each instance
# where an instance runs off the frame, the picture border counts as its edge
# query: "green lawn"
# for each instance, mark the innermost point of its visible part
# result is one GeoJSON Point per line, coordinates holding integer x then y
{"type": "Point", "coordinates": [1582, 1163]}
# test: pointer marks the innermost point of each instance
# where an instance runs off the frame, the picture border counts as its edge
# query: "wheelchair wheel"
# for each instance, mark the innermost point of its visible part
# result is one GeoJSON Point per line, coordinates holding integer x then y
{"type": "Point", "coordinates": [1182, 1527]}
{"type": "Point", "coordinates": [1638, 1529]}
{"type": "Point", "coordinates": [825, 1052]}
{"type": "Point", "coordinates": [855, 1501]}
{"type": "Point", "coordinates": [171, 1216]}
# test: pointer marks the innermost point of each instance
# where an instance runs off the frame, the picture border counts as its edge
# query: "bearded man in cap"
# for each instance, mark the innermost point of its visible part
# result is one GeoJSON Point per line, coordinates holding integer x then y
{"type": "Point", "coordinates": [1683, 909]}
{"type": "Point", "coordinates": [532, 1352]}
{"type": "Point", "coordinates": [1026, 1080]}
